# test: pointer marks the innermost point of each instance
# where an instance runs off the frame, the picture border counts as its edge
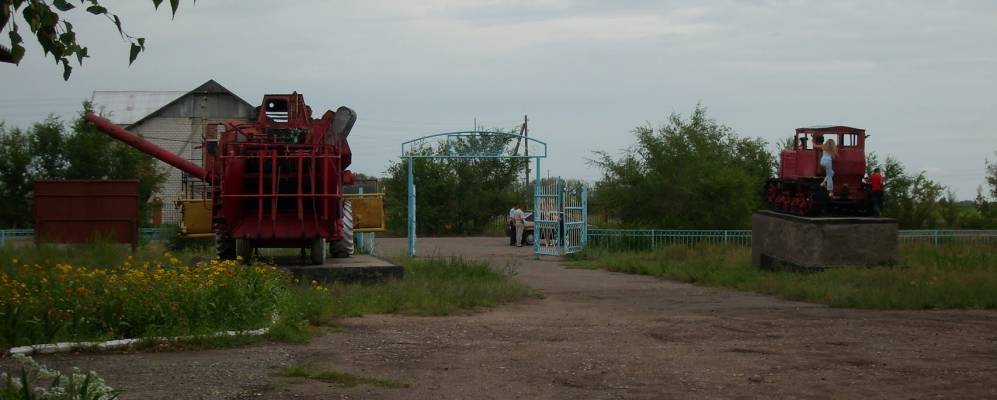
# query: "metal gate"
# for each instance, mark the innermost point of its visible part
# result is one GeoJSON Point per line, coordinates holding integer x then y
{"type": "Point", "coordinates": [574, 199]}
{"type": "Point", "coordinates": [546, 218]}
{"type": "Point", "coordinates": [560, 217]}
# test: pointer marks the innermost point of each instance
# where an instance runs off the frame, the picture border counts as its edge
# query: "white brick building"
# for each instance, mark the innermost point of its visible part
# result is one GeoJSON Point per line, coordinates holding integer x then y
{"type": "Point", "coordinates": [174, 121]}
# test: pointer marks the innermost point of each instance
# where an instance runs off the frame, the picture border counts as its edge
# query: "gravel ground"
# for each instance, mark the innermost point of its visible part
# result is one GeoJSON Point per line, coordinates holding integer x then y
{"type": "Point", "coordinates": [595, 335]}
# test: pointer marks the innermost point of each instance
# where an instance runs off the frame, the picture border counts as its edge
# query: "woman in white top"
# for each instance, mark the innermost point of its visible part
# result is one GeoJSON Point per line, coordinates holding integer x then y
{"type": "Point", "coordinates": [830, 152]}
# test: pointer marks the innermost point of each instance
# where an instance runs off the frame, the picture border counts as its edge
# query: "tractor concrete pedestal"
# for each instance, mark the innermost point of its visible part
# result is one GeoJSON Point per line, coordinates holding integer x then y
{"type": "Point", "coordinates": [358, 268]}
{"type": "Point", "coordinates": [788, 241]}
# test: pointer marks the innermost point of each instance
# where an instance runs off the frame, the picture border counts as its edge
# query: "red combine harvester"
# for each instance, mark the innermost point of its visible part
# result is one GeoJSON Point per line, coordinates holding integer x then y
{"type": "Point", "coordinates": [274, 182]}
{"type": "Point", "coordinates": [798, 188]}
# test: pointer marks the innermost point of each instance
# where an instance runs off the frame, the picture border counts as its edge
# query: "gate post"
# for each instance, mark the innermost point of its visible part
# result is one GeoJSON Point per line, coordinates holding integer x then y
{"type": "Point", "coordinates": [411, 210]}
{"type": "Point", "coordinates": [585, 215]}
{"type": "Point", "coordinates": [537, 217]}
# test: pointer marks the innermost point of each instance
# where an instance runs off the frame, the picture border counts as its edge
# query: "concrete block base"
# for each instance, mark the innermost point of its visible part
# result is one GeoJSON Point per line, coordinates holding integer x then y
{"type": "Point", "coordinates": [358, 268]}
{"type": "Point", "coordinates": [780, 240]}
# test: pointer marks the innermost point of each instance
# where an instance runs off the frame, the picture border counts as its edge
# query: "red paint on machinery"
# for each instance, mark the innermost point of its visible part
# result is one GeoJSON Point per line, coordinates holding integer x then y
{"type": "Point", "coordinates": [798, 189]}
{"type": "Point", "coordinates": [276, 181]}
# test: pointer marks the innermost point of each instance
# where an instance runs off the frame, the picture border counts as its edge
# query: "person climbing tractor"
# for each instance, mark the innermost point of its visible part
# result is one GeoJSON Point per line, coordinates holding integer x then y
{"type": "Point", "coordinates": [830, 152]}
{"type": "Point", "coordinates": [876, 186]}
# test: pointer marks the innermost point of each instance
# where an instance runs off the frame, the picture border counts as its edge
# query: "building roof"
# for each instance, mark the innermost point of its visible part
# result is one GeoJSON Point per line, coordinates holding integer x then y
{"type": "Point", "coordinates": [127, 107]}
{"type": "Point", "coordinates": [209, 87]}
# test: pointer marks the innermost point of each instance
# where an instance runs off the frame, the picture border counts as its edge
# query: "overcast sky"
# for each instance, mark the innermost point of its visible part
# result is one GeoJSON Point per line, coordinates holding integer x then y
{"type": "Point", "coordinates": [919, 76]}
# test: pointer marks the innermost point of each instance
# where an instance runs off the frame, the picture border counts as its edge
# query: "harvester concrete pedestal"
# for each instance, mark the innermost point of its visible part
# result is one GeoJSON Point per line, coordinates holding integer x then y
{"type": "Point", "coordinates": [788, 241]}
{"type": "Point", "coordinates": [358, 268]}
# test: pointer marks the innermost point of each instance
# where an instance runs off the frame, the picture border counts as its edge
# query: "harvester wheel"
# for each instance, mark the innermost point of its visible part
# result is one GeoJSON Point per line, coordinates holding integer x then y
{"type": "Point", "coordinates": [243, 249]}
{"type": "Point", "coordinates": [343, 248]}
{"type": "Point", "coordinates": [318, 251]}
{"type": "Point", "coordinates": [224, 245]}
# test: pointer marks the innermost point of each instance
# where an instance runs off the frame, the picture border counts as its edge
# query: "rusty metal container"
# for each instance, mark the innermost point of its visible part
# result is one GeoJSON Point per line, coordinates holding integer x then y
{"type": "Point", "coordinates": [80, 211]}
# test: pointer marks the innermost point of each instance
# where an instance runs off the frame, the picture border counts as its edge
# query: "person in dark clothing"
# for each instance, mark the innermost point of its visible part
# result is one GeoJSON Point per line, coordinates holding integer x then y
{"type": "Point", "coordinates": [512, 227]}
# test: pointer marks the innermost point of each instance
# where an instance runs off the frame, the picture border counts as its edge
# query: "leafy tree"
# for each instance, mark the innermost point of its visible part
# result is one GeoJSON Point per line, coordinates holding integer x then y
{"type": "Point", "coordinates": [46, 151]}
{"type": "Point", "coordinates": [950, 209]}
{"type": "Point", "coordinates": [47, 148]}
{"type": "Point", "coordinates": [914, 200]}
{"type": "Point", "coordinates": [15, 179]}
{"type": "Point", "coordinates": [455, 196]}
{"type": "Point", "coordinates": [47, 22]}
{"type": "Point", "coordinates": [991, 177]}
{"type": "Point", "coordinates": [692, 173]}
{"type": "Point", "coordinates": [983, 206]}
{"type": "Point", "coordinates": [90, 154]}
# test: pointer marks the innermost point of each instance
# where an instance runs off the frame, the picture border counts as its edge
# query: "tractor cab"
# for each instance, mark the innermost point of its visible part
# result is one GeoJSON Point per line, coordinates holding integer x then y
{"type": "Point", "coordinates": [803, 160]}
{"type": "Point", "coordinates": [811, 138]}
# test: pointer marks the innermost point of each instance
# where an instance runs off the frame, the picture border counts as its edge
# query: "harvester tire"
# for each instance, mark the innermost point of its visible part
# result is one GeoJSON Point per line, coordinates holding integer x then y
{"type": "Point", "coordinates": [243, 249]}
{"type": "Point", "coordinates": [343, 248]}
{"type": "Point", "coordinates": [224, 245]}
{"type": "Point", "coordinates": [318, 251]}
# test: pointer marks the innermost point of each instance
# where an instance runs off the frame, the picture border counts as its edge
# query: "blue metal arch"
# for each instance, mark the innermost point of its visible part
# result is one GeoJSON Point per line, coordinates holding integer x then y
{"type": "Point", "coordinates": [471, 134]}
{"type": "Point", "coordinates": [411, 177]}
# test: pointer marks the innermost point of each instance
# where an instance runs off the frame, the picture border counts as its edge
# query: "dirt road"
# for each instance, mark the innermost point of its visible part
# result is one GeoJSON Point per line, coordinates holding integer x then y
{"type": "Point", "coordinates": [597, 335]}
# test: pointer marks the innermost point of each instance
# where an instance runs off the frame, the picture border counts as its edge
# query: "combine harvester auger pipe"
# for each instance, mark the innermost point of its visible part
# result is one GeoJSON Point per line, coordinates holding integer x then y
{"type": "Point", "coordinates": [145, 146]}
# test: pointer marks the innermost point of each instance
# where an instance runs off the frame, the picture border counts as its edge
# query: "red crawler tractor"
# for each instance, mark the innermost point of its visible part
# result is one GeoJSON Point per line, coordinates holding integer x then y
{"type": "Point", "coordinates": [798, 188]}
{"type": "Point", "coordinates": [274, 182]}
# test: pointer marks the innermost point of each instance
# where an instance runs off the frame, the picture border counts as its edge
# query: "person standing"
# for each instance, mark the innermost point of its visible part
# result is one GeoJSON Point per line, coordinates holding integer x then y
{"type": "Point", "coordinates": [512, 227]}
{"type": "Point", "coordinates": [876, 184]}
{"type": "Point", "coordinates": [517, 217]}
{"type": "Point", "coordinates": [830, 152]}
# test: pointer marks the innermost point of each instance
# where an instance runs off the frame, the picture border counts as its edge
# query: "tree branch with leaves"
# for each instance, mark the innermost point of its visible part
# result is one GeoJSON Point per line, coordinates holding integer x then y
{"type": "Point", "coordinates": [48, 22]}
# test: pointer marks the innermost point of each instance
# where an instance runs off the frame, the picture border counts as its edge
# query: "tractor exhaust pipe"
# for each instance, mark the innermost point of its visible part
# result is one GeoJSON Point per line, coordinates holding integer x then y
{"type": "Point", "coordinates": [146, 147]}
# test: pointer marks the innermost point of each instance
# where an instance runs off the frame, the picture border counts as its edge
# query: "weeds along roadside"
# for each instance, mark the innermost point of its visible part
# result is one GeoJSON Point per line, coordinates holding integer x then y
{"type": "Point", "coordinates": [102, 291]}
{"type": "Point", "coordinates": [927, 277]}
{"type": "Point", "coordinates": [431, 287]}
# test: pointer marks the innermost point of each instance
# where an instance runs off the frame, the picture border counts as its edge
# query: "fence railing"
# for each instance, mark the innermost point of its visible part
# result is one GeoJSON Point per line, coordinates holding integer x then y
{"type": "Point", "coordinates": [638, 239]}
{"type": "Point", "coordinates": [646, 239]}
{"type": "Point", "coordinates": [26, 235]}
{"type": "Point", "coordinates": [944, 236]}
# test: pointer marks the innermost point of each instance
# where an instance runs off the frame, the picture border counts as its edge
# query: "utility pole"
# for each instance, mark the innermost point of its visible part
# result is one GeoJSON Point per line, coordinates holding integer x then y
{"type": "Point", "coordinates": [524, 131]}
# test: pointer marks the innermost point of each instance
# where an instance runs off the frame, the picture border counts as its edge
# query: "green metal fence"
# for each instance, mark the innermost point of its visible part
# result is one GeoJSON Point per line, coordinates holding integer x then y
{"type": "Point", "coordinates": [945, 236]}
{"type": "Point", "coordinates": [27, 235]}
{"type": "Point", "coordinates": [647, 239]}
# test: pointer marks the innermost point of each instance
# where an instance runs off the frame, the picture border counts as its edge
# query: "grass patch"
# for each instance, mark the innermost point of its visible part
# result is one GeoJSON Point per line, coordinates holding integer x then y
{"type": "Point", "coordinates": [946, 276]}
{"type": "Point", "coordinates": [197, 343]}
{"type": "Point", "coordinates": [437, 286]}
{"type": "Point", "coordinates": [340, 379]}
{"type": "Point", "coordinates": [431, 287]}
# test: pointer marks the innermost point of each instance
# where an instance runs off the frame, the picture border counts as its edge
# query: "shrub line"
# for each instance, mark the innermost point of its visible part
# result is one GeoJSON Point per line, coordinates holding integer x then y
{"type": "Point", "coordinates": [66, 347]}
